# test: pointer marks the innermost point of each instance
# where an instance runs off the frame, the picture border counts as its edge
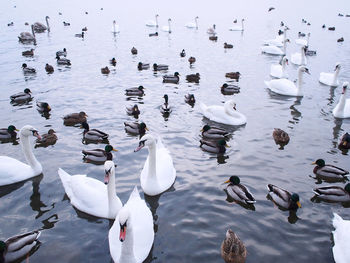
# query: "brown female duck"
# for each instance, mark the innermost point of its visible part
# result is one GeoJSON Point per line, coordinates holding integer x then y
{"type": "Point", "coordinates": [74, 118]}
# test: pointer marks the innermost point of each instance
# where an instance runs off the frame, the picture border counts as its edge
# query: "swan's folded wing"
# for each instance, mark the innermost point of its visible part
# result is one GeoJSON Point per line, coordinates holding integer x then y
{"type": "Point", "coordinates": [12, 171]}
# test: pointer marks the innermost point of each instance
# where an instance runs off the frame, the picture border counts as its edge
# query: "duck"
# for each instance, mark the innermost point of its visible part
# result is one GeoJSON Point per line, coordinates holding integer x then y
{"type": "Point", "coordinates": [303, 42]}
{"type": "Point", "coordinates": [342, 109]}
{"type": "Point", "coordinates": [193, 25]}
{"type": "Point", "coordinates": [135, 91]}
{"type": "Point", "coordinates": [340, 39]}
{"type": "Point", "coordinates": [105, 70]}
{"type": "Point", "coordinates": [309, 52]}
{"type": "Point", "coordinates": [66, 23]}
{"type": "Point", "coordinates": [211, 146]}
{"type": "Point", "coordinates": [8, 133]}
{"type": "Point", "coordinates": [238, 191]}
{"type": "Point", "coordinates": [333, 193]}
{"type": "Point", "coordinates": [152, 23]}
{"type": "Point", "coordinates": [84, 29]}
{"type": "Point", "coordinates": [283, 198]}
{"type": "Point", "coordinates": [213, 38]}
{"type": "Point", "coordinates": [10, 24]}
{"type": "Point", "coordinates": [183, 53]}
{"type": "Point", "coordinates": [229, 89]}
{"type": "Point", "coordinates": [299, 58]}
{"type": "Point", "coordinates": [228, 45]}
{"type": "Point", "coordinates": [131, 236]}
{"type": "Point", "coordinates": [165, 108]}
{"type": "Point", "coordinates": [273, 50]}
{"type": "Point", "coordinates": [155, 34]}
{"type": "Point", "coordinates": [18, 247]}
{"type": "Point", "coordinates": [74, 118]}
{"type": "Point", "coordinates": [133, 51]}
{"type": "Point", "coordinates": [28, 53]}
{"type": "Point", "coordinates": [237, 28]}
{"type": "Point", "coordinates": [115, 27]}
{"type": "Point", "coordinates": [233, 75]}
{"type": "Point", "coordinates": [330, 79]}
{"type": "Point", "coordinates": [278, 40]}
{"type": "Point", "coordinates": [341, 239]}
{"type": "Point", "coordinates": [136, 128]}
{"type": "Point", "coordinates": [12, 170]}
{"type": "Point", "coordinates": [28, 70]}
{"type": "Point", "coordinates": [279, 71]}
{"type": "Point", "coordinates": [80, 35]}
{"type": "Point", "coordinates": [168, 27]}
{"type": "Point", "coordinates": [332, 28]}
{"type": "Point", "coordinates": [61, 53]}
{"type": "Point", "coordinates": [39, 27]}
{"type": "Point", "coordinates": [190, 99]}
{"type": "Point", "coordinates": [211, 30]}
{"type": "Point", "coordinates": [142, 66]}
{"type": "Point", "coordinates": [113, 62]}
{"type": "Point", "coordinates": [158, 173]}
{"type": "Point", "coordinates": [99, 155]}
{"type": "Point", "coordinates": [226, 114]}
{"type": "Point", "coordinates": [49, 69]}
{"type": "Point", "coordinates": [158, 67]}
{"type": "Point", "coordinates": [193, 78]}
{"type": "Point", "coordinates": [214, 133]}
{"type": "Point", "coordinates": [133, 110]}
{"type": "Point", "coordinates": [43, 107]}
{"type": "Point", "coordinates": [191, 60]}
{"type": "Point", "coordinates": [280, 136]}
{"type": "Point", "coordinates": [172, 78]}
{"type": "Point", "coordinates": [63, 61]}
{"type": "Point", "coordinates": [287, 87]}
{"type": "Point", "coordinates": [328, 171]}
{"type": "Point", "coordinates": [46, 139]}
{"type": "Point", "coordinates": [93, 134]}
{"type": "Point", "coordinates": [345, 141]}
{"type": "Point", "coordinates": [233, 249]}
{"type": "Point", "coordinates": [92, 196]}
{"type": "Point", "coordinates": [22, 96]}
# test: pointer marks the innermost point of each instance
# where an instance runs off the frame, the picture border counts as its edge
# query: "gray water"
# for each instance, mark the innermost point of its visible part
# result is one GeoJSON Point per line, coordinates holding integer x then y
{"type": "Point", "coordinates": [190, 220]}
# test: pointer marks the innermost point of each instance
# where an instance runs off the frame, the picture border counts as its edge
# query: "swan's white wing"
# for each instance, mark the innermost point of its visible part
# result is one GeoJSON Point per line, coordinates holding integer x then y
{"type": "Point", "coordinates": [341, 236]}
{"type": "Point", "coordinates": [282, 86]}
{"type": "Point", "coordinates": [276, 71]}
{"type": "Point", "coordinates": [13, 171]}
{"type": "Point", "coordinates": [327, 79]}
{"type": "Point", "coordinates": [273, 50]}
{"type": "Point", "coordinates": [302, 42]}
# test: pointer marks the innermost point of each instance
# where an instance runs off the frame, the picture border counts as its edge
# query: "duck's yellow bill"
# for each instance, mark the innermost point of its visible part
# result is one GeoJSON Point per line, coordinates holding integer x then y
{"type": "Point", "coordinates": [299, 205]}
{"type": "Point", "coordinates": [114, 150]}
{"type": "Point", "coordinates": [146, 129]}
{"type": "Point", "coordinates": [227, 182]}
{"type": "Point", "coordinates": [313, 163]}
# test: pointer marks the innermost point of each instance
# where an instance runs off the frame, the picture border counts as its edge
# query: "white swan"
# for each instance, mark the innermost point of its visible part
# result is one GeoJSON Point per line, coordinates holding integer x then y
{"type": "Point", "coordinates": [286, 86]}
{"type": "Point", "coordinates": [12, 170]}
{"type": "Point", "coordinates": [299, 58]}
{"type": "Point", "coordinates": [278, 40]}
{"type": "Point", "coordinates": [226, 114]}
{"type": "Point", "coordinates": [115, 27]}
{"type": "Point", "coordinates": [39, 27]}
{"type": "Point", "coordinates": [341, 237]}
{"type": "Point", "coordinates": [158, 173]}
{"type": "Point", "coordinates": [273, 50]}
{"type": "Point", "coordinates": [330, 79]}
{"type": "Point", "coordinates": [279, 71]}
{"type": "Point", "coordinates": [211, 30]}
{"type": "Point", "coordinates": [193, 25]}
{"type": "Point", "coordinates": [92, 196]}
{"type": "Point", "coordinates": [27, 37]}
{"type": "Point", "coordinates": [237, 28]}
{"type": "Point", "coordinates": [152, 23]}
{"type": "Point", "coordinates": [167, 28]}
{"type": "Point", "coordinates": [131, 236]}
{"type": "Point", "coordinates": [302, 41]}
{"type": "Point", "coordinates": [342, 110]}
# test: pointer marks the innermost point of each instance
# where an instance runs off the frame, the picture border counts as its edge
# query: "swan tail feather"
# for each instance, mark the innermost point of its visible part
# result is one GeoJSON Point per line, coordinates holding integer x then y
{"type": "Point", "coordinates": [65, 178]}
{"type": "Point", "coordinates": [135, 193]}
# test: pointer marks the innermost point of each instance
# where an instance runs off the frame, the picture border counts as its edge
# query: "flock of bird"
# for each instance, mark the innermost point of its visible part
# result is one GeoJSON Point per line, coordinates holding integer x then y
{"type": "Point", "coordinates": [131, 236]}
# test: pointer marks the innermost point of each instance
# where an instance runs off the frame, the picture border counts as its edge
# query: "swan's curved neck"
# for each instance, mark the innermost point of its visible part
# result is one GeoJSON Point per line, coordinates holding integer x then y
{"type": "Point", "coordinates": [342, 102]}
{"type": "Point", "coordinates": [152, 161]}
{"type": "Point", "coordinates": [196, 22]}
{"type": "Point", "coordinates": [284, 47]}
{"type": "Point", "coordinates": [127, 252]}
{"type": "Point", "coordinates": [47, 23]}
{"type": "Point", "coordinates": [114, 27]}
{"type": "Point", "coordinates": [156, 21]}
{"type": "Point", "coordinates": [300, 80]}
{"type": "Point", "coordinates": [169, 26]}
{"type": "Point", "coordinates": [229, 110]}
{"type": "Point", "coordinates": [112, 195]}
{"type": "Point", "coordinates": [303, 58]}
{"type": "Point", "coordinates": [242, 25]}
{"type": "Point", "coordinates": [336, 75]}
{"type": "Point", "coordinates": [28, 153]}
{"type": "Point", "coordinates": [283, 65]}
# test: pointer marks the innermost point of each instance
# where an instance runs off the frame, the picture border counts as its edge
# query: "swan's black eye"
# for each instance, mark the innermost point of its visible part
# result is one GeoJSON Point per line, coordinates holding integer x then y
{"type": "Point", "coordinates": [122, 226]}
{"type": "Point", "coordinates": [108, 171]}
{"type": "Point", "coordinates": [142, 143]}
{"type": "Point", "coordinates": [34, 132]}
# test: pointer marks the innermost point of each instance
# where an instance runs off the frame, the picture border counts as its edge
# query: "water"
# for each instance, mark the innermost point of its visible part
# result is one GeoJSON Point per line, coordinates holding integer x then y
{"type": "Point", "coordinates": [190, 220]}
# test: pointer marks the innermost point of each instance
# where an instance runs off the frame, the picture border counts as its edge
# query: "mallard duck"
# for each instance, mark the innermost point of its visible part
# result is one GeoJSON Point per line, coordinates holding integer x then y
{"type": "Point", "coordinates": [49, 69]}
{"type": "Point", "coordinates": [283, 198]}
{"type": "Point", "coordinates": [229, 89]}
{"type": "Point", "coordinates": [233, 249]}
{"type": "Point", "coordinates": [113, 62]}
{"type": "Point", "coordinates": [74, 118]}
{"type": "Point", "coordinates": [183, 53]}
{"type": "Point", "coordinates": [233, 75]}
{"type": "Point", "coordinates": [193, 78]}
{"type": "Point", "coordinates": [328, 171]}
{"type": "Point", "coordinates": [209, 132]}
{"type": "Point", "coordinates": [332, 28]}
{"type": "Point", "coordinates": [165, 108]}
{"type": "Point", "coordinates": [309, 52]}
{"type": "Point", "coordinates": [8, 133]}
{"type": "Point", "coordinates": [66, 23]}
{"type": "Point", "coordinates": [43, 107]}
{"type": "Point", "coordinates": [93, 134]}
{"type": "Point", "coordinates": [153, 34]}
{"type": "Point", "coordinates": [213, 146]}
{"type": "Point", "coordinates": [10, 24]}
{"type": "Point", "coordinates": [213, 38]}
{"type": "Point", "coordinates": [17, 248]}
{"type": "Point", "coordinates": [133, 51]}
{"type": "Point", "coordinates": [46, 139]}
{"type": "Point", "coordinates": [172, 78]}
{"type": "Point", "coordinates": [105, 70]}
{"type": "Point", "coordinates": [80, 35]}
{"type": "Point", "coordinates": [333, 193]}
{"type": "Point", "coordinates": [158, 67]}
{"type": "Point", "coordinates": [280, 136]}
{"type": "Point", "coordinates": [345, 141]}
{"type": "Point", "coordinates": [142, 66]}
{"type": "Point", "coordinates": [63, 61]}
{"type": "Point", "coordinates": [340, 39]}
{"type": "Point", "coordinates": [228, 45]}
{"type": "Point", "coordinates": [136, 128]}
{"type": "Point", "coordinates": [21, 96]}
{"type": "Point", "coordinates": [99, 155]}
{"type": "Point", "coordinates": [84, 29]}
{"type": "Point", "coordinates": [61, 53]}
{"type": "Point", "coordinates": [238, 191]}
{"type": "Point", "coordinates": [189, 98]}
{"type": "Point", "coordinates": [28, 53]}
{"type": "Point", "coordinates": [28, 70]}
{"type": "Point", "coordinates": [39, 27]}
{"type": "Point", "coordinates": [133, 110]}
{"type": "Point", "coordinates": [191, 60]}
{"type": "Point", "coordinates": [135, 91]}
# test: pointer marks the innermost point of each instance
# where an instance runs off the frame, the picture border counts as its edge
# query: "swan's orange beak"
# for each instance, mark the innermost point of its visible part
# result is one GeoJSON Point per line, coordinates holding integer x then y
{"type": "Point", "coordinates": [122, 233]}
{"type": "Point", "coordinates": [298, 204]}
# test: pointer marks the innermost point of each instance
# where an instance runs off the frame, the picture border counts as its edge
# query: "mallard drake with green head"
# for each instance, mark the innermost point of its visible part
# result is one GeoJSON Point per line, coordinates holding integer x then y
{"type": "Point", "coordinates": [183, 53]}
{"type": "Point", "coordinates": [165, 108]}
{"type": "Point", "coordinates": [229, 89]}
{"type": "Point", "coordinates": [142, 66]}
{"type": "Point", "coordinates": [158, 67]}
{"type": "Point", "coordinates": [333, 193]}
{"type": "Point", "coordinates": [136, 128]}
{"type": "Point", "coordinates": [21, 96]}
{"type": "Point", "coordinates": [43, 107]}
{"type": "Point", "coordinates": [99, 155]}
{"type": "Point", "coordinates": [190, 99]}
{"type": "Point", "coordinates": [238, 191]}
{"type": "Point", "coordinates": [213, 146]}
{"type": "Point", "coordinates": [28, 70]}
{"type": "Point", "coordinates": [233, 249]}
{"type": "Point", "coordinates": [61, 53]}
{"type": "Point", "coordinates": [211, 132]}
{"type": "Point", "coordinates": [345, 141]}
{"type": "Point", "coordinates": [193, 78]}
{"type": "Point", "coordinates": [93, 134]}
{"type": "Point", "coordinates": [74, 118]}
{"type": "Point", "coordinates": [135, 91]}
{"type": "Point", "coordinates": [172, 78]}
{"type": "Point", "coordinates": [63, 61]}
{"type": "Point", "coordinates": [133, 110]}
{"type": "Point", "coordinates": [46, 139]}
{"type": "Point", "coordinates": [283, 198]}
{"type": "Point", "coordinates": [113, 62]}
{"type": "Point", "coordinates": [328, 171]}
{"type": "Point", "coordinates": [8, 133]}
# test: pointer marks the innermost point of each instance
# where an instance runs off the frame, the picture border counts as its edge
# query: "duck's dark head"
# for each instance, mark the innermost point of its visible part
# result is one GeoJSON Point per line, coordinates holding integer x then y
{"type": "Point", "coordinates": [27, 91]}
{"type": "Point", "coordinates": [11, 128]}
{"type": "Point", "coordinates": [234, 180]}
{"type": "Point", "coordinates": [295, 198]}
{"type": "Point", "coordinates": [142, 128]}
{"type": "Point", "coordinates": [85, 125]}
{"type": "Point", "coordinates": [140, 88]}
{"type": "Point", "coordinates": [82, 114]}
{"type": "Point", "coordinates": [176, 74]}
{"type": "Point", "coordinates": [2, 251]}
{"type": "Point", "coordinates": [166, 98]}
{"type": "Point", "coordinates": [222, 145]}
{"type": "Point", "coordinates": [320, 162]}
{"type": "Point", "coordinates": [46, 106]}
{"type": "Point", "coordinates": [206, 128]}
{"type": "Point", "coordinates": [225, 85]}
{"type": "Point", "coordinates": [109, 148]}
{"type": "Point", "coordinates": [347, 188]}
{"type": "Point", "coordinates": [51, 131]}
{"type": "Point", "coordinates": [24, 65]}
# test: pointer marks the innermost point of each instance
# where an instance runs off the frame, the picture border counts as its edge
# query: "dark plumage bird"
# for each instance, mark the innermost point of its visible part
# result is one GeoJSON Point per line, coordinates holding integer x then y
{"type": "Point", "coordinates": [10, 24]}
{"type": "Point", "coordinates": [21, 96]}
{"type": "Point", "coordinates": [135, 91]}
{"type": "Point", "coordinates": [191, 60]}
{"type": "Point", "coordinates": [172, 78]}
{"type": "Point", "coordinates": [283, 198]}
{"type": "Point", "coordinates": [238, 191]}
{"type": "Point", "coordinates": [213, 146]}
{"type": "Point", "coordinates": [158, 67]}
{"type": "Point", "coordinates": [105, 70]}
{"type": "Point", "coordinates": [61, 53]}
{"type": "Point", "coordinates": [340, 39]}
{"type": "Point", "coordinates": [133, 51]}
{"type": "Point", "coordinates": [46, 139]}
{"type": "Point", "coordinates": [113, 62]}
{"type": "Point", "coordinates": [331, 28]}
{"type": "Point", "coordinates": [323, 26]}
{"type": "Point", "coordinates": [94, 135]}
{"type": "Point", "coordinates": [189, 98]}
{"type": "Point", "coordinates": [233, 249]}
{"type": "Point", "coordinates": [233, 75]}
{"type": "Point", "coordinates": [63, 61]}
{"type": "Point", "coordinates": [328, 171]}
{"type": "Point", "coordinates": [282, 23]}
{"type": "Point", "coordinates": [213, 38]}
{"type": "Point", "coordinates": [8, 133]}
{"type": "Point", "coordinates": [333, 193]}
{"type": "Point", "coordinates": [271, 8]}
{"type": "Point", "coordinates": [80, 35]}
{"type": "Point", "coordinates": [28, 53]}
{"type": "Point", "coordinates": [49, 69]}
{"type": "Point", "coordinates": [165, 108]}
{"type": "Point", "coordinates": [142, 66]}
{"type": "Point", "coordinates": [280, 136]}
{"type": "Point", "coordinates": [300, 34]}
{"type": "Point", "coordinates": [43, 107]}
{"type": "Point", "coordinates": [228, 45]}
{"type": "Point", "coordinates": [214, 133]}
{"type": "Point", "coordinates": [183, 53]}
{"type": "Point", "coordinates": [74, 118]}
{"type": "Point", "coordinates": [229, 89]}
{"type": "Point", "coordinates": [84, 29]}
{"type": "Point", "coordinates": [309, 52]}
{"type": "Point", "coordinates": [135, 128]}
{"type": "Point", "coordinates": [153, 34]}
{"type": "Point", "coordinates": [133, 110]}
{"type": "Point", "coordinates": [99, 155]}
{"type": "Point", "coordinates": [66, 23]}
{"type": "Point", "coordinates": [28, 70]}
{"type": "Point", "coordinates": [193, 78]}
{"type": "Point", "coordinates": [345, 141]}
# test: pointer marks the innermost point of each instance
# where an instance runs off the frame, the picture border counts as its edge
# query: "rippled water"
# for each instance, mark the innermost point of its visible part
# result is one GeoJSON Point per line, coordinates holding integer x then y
{"type": "Point", "coordinates": [190, 219]}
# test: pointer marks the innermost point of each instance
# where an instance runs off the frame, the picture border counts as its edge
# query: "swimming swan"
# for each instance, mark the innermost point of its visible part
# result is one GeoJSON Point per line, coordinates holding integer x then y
{"type": "Point", "coordinates": [279, 71]}
{"type": "Point", "coordinates": [193, 25]}
{"type": "Point", "coordinates": [330, 79]}
{"type": "Point", "coordinates": [342, 110]}
{"type": "Point", "coordinates": [237, 28]}
{"type": "Point", "coordinates": [167, 28]}
{"type": "Point", "coordinates": [152, 23]}
{"type": "Point", "coordinates": [299, 58]}
{"type": "Point", "coordinates": [273, 50]}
